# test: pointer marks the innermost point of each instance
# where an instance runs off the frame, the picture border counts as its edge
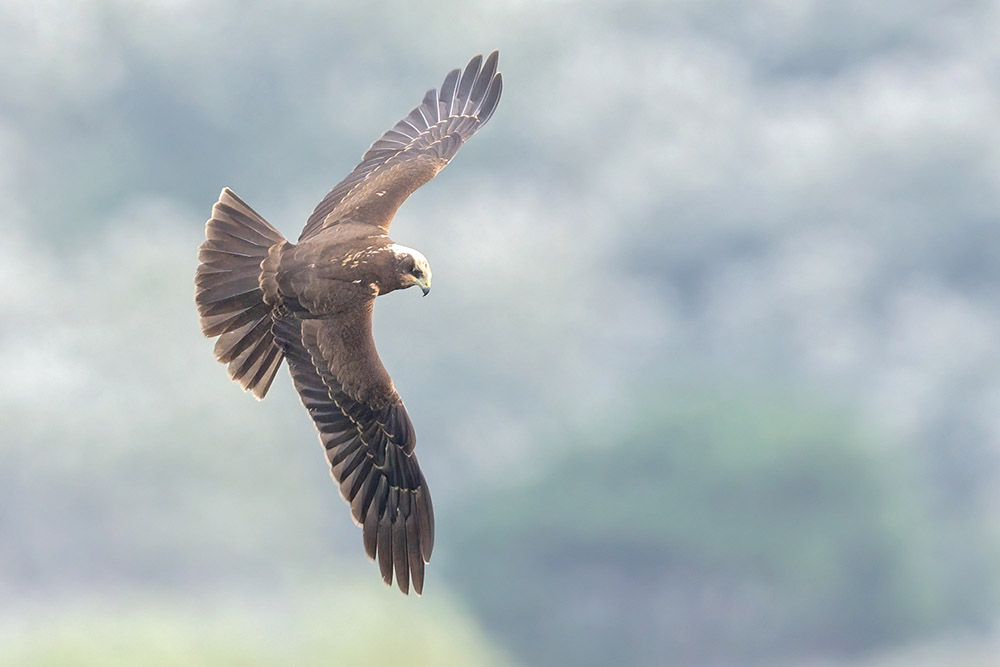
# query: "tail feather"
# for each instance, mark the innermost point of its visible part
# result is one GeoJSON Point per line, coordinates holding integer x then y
{"type": "Point", "coordinates": [232, 344]}
{"type": "Point", "coordinates": [230, 284]}
{"type": "Point", "coordinates": [227, 291]}
{"type": "Point", "coordinates": [214, 325]}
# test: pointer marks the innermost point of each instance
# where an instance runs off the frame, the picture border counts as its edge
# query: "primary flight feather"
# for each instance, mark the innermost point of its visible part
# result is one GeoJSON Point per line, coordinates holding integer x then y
{"type": "Point", "coordinates": [310, 303]}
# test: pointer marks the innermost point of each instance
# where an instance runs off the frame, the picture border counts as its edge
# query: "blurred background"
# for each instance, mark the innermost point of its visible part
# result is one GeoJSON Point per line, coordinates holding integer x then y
{"type": "Point", "coordinates": [710, 374]}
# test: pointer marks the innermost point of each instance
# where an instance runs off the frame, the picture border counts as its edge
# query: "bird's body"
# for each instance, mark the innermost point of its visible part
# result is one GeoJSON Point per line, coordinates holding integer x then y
{"type": "Point", "coordinates": [328, 272]}
{"type": "Point", "coordinates": [311, 303]}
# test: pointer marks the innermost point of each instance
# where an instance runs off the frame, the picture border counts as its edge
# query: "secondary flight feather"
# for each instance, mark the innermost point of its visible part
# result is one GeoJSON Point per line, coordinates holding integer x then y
{"type": "Point", "coordinates": [310, 304]}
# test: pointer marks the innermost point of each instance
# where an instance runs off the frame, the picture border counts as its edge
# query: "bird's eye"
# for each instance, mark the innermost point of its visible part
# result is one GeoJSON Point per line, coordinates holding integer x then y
{"type": "Point", "coordinates": [417, 272]}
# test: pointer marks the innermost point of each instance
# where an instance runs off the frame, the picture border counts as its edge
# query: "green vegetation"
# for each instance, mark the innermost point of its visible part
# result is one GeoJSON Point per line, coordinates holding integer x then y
{"type": "Point", "coordinates": [743, 528]}
{"type": "Point", "coordinates": [338, 624]}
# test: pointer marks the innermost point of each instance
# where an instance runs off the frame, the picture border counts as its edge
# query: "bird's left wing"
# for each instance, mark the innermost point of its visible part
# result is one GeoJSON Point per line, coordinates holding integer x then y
{"type": "Point", "coordinates": [368, 437]}
{"type": "Point", "coordinates": [414, 150]}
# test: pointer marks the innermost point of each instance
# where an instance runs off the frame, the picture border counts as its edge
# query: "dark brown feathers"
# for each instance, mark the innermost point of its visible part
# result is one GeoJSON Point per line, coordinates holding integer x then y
{"type": "Point", "coordinates": [228, 294]}
{"type": "Point", "coordinates": [311, 303]}
{"type": "Point", "coordinates": [415, 149]}
{"type": "Point", "coordinates": [368, 451]}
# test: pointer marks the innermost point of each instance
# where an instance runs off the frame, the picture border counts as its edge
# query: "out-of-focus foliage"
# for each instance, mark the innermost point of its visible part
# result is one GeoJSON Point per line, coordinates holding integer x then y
{"type": "Point", "coordinates": [716, 528]}
{"type": "Point", "coordinates": [330, 621]}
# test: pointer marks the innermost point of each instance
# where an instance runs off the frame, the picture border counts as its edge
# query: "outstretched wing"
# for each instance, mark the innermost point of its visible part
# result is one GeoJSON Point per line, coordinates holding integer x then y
{"type": "Point", "coordinates": [414, 150]}
{"type": "Point", "coordinates": [368, 436]}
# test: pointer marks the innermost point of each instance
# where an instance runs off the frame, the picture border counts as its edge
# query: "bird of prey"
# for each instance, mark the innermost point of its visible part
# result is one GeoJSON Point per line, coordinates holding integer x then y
{"type": "Point", "coordinates": [310, 303]}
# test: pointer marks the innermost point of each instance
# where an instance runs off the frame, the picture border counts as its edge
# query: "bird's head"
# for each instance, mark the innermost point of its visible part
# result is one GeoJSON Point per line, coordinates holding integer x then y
{"type": "Point", "coordinates": [412, 268]}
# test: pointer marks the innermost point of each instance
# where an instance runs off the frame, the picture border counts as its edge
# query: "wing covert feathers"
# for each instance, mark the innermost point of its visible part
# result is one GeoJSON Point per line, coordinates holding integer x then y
{"type": "Point", "coordinates": [227, 292]}
{"type": "Point", "coordinates": [415, 149]}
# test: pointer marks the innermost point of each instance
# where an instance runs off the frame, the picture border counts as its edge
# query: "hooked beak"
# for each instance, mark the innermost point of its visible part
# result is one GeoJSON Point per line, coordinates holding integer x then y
{"type": "Point", "coordinates": [424, 284]}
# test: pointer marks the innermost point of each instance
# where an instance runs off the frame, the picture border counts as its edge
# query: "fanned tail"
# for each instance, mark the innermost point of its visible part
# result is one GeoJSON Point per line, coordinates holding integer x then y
{"type": "Point", "coordinates": [227, 291]}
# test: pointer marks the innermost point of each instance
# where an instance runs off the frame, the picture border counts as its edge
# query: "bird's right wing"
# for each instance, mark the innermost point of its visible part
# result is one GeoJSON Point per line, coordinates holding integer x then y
{"type": "Point", "coordinates": [368, 437]}
{"type": "Point", "coordinates": [414, 150]}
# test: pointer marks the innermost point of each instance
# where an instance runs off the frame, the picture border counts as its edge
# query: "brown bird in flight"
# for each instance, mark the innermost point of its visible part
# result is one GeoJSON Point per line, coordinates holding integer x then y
{"type": "Point", "coordinates": [311, 302]}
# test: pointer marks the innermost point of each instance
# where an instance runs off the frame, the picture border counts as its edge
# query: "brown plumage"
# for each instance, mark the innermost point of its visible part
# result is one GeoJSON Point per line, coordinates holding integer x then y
{"type": "Point", "coordinates": [311, 303]}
